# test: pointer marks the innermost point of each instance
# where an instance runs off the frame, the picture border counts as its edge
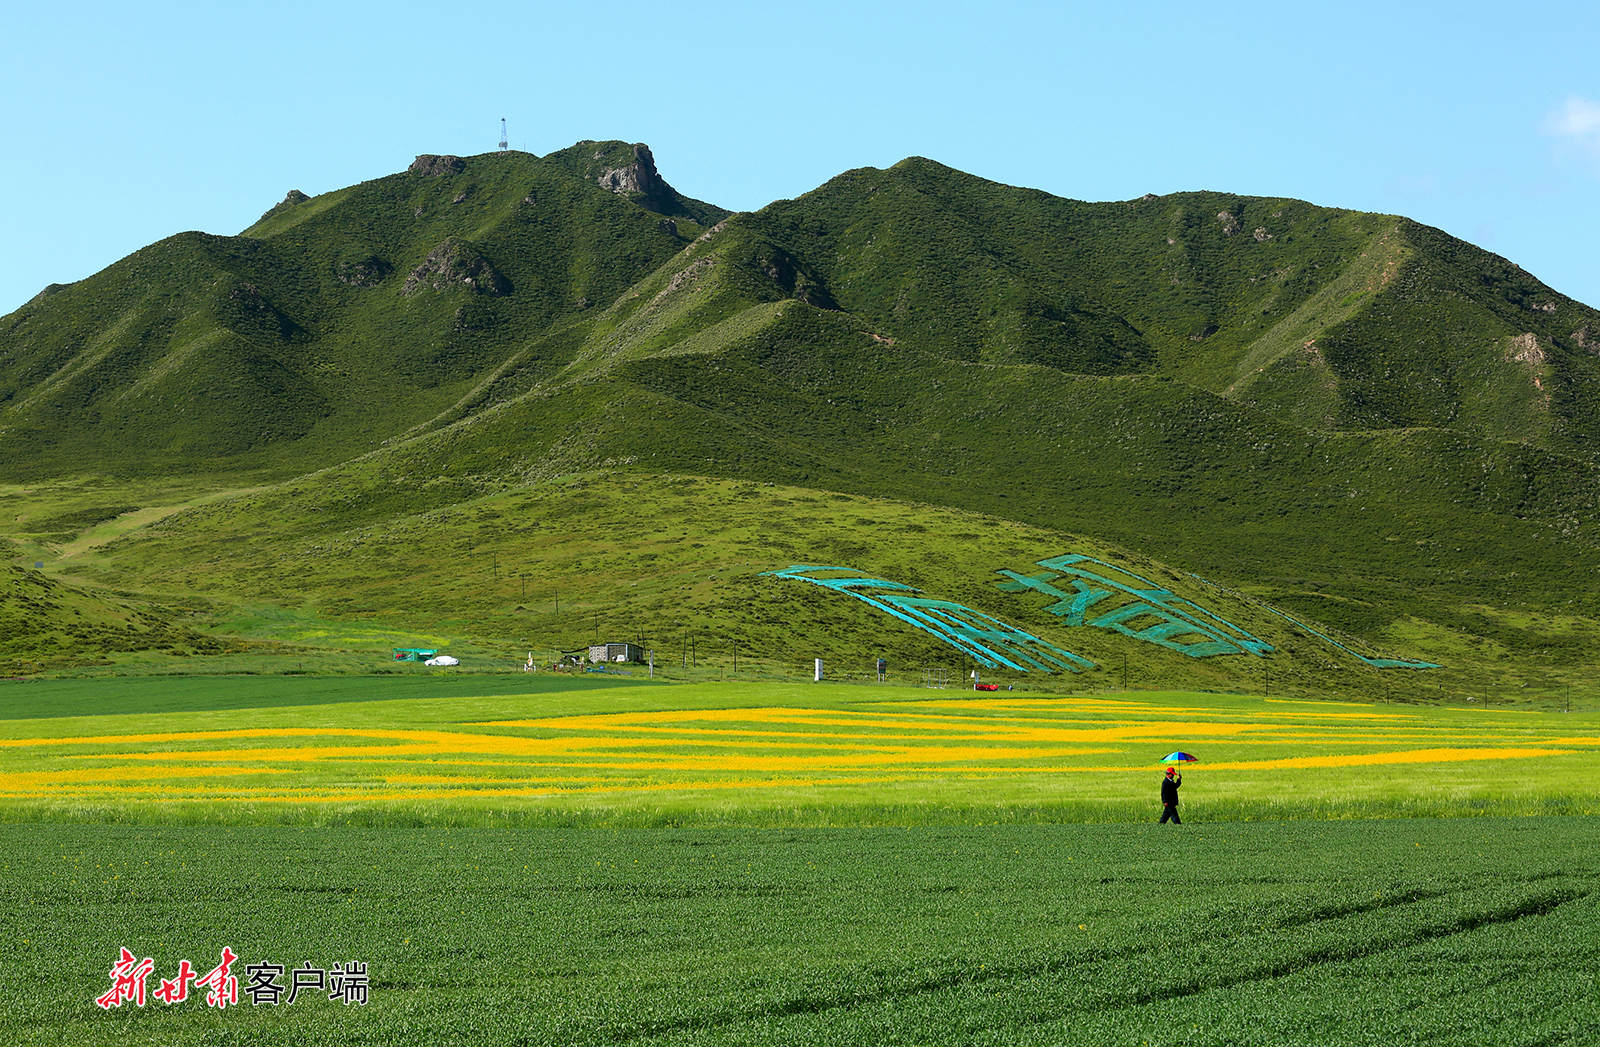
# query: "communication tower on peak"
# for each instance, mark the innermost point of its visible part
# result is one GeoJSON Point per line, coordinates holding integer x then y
{"type": "Point", "coordinates": [504, 146]}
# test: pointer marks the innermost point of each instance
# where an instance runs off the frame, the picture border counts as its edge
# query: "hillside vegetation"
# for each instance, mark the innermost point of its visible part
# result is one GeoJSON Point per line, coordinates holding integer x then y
{"type": "Point", "coordinates": [46, 624]}
{"type": "Point", "coordinates": [561, 364]}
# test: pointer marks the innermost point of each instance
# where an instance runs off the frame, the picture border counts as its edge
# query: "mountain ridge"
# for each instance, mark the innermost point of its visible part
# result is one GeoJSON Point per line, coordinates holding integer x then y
{"type": "Point", "coordinates": [1019, 277]}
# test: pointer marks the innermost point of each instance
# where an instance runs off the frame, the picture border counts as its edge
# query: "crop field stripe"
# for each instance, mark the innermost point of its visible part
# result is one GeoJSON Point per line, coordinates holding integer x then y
{"type": "Point", "coordinates": [1373, 759]}
{"type": "Point", "coordinates": [1040, 753]}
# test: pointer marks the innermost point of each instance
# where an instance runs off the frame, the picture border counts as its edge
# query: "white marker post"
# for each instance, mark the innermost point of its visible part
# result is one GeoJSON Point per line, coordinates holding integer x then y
{"type": "Point", "coordinates": [818, 677]}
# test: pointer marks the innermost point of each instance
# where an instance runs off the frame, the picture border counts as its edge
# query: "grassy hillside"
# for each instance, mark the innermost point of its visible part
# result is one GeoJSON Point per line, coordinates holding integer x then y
{"type": "Point", "coordinates": [677, 562]}
{"type": "Point", "coordinates": [45, 624]}
{"type": "Point", "coordinates": [1372, 532]}
{"type": "Point", "coordinates": [1362, 421]}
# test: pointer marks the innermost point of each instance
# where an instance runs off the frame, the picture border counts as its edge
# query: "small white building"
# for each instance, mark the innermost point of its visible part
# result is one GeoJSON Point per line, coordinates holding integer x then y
{"type": "Point", "coordinates": [616, 652]}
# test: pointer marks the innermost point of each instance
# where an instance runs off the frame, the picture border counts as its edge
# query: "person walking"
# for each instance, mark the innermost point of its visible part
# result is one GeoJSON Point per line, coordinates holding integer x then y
{"type": "Point", "coordinates": [1169, 797]}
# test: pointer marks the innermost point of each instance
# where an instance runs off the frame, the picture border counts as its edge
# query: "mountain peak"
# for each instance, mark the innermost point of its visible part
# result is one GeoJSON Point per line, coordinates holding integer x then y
{"type": "Point", "coordinates": [629, 169]}
{"type": "Point", "coordinates": [640, 176]}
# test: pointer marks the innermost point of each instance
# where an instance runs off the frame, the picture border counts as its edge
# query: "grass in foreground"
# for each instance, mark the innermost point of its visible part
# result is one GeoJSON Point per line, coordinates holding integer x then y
{"type": "Point", "coordinates": [1439, 931]}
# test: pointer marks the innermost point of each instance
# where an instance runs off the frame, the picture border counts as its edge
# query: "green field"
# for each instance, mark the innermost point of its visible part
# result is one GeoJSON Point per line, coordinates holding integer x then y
{"type": "Point", "coordinates": [1465, 931]}
{"type": "Point", "coordinates": [547, 859]}
{"type": "Point", "coordinates": [99, 696]}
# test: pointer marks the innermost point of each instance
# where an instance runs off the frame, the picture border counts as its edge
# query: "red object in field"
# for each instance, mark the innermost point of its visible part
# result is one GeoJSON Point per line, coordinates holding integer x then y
{"type": "Point", "coordinates": [986, 687]}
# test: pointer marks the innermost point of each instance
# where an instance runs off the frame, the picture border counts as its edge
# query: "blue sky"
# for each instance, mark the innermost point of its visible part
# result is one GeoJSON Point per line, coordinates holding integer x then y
{"type": "Point", "coordinates": [124, 124]}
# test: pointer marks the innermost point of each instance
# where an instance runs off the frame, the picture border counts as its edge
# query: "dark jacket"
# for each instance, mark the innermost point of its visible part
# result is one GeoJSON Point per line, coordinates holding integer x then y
{"type": "Point", "coordinates": [1169, 789]}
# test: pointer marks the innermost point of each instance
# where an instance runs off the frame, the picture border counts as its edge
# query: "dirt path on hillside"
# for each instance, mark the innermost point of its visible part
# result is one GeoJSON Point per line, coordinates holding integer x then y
{"type": "Point", "coordinates": [111, 530]}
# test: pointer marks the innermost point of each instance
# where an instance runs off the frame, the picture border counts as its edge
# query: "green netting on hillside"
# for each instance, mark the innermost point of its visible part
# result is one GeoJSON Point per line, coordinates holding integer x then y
{"type": "Point", "coordinates": [990, 641]}
{"type": "Point", "coordinates": [1145, 611]}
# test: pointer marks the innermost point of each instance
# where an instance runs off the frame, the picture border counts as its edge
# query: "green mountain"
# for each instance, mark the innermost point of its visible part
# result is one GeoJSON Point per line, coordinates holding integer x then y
{"type": "Point", "coordinates": [333, 323]}
{"type": "Point", "coordinates": [1383, 431]}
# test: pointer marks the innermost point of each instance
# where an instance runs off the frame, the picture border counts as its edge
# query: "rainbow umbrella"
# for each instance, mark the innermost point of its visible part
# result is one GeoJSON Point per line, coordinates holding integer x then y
{"type": "Point", "coordinates": [1180, 757]}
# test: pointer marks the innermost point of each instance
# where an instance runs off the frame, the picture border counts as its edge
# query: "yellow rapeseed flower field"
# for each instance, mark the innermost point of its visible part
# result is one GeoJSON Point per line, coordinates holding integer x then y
{"type": "Point", "coordinates": [807, 746]}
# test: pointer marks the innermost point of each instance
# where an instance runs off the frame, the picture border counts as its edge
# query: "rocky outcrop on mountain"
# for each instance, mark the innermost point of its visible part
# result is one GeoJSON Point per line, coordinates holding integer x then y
{"type": "Point", "coordinates": [640, 176]}
{"type": "Point", "coordinates": [456, 263]}
{"type": "Point", "coordinates": [1525, 348]}
{"type": "Point", "coordinates": [431, 166]}
{"type": "Point", "coordinates": [629, 170]}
